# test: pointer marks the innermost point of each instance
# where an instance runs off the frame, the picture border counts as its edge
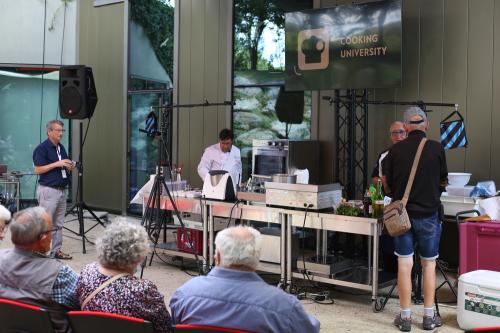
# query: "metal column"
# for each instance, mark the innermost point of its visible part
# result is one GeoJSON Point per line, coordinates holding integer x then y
{"type": "Point", "coordinates": [351, 136]}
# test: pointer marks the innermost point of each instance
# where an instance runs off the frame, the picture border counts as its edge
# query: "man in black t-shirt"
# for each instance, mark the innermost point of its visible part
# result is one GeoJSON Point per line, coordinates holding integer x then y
{"type": "Point", "coordinates": [423, 209]}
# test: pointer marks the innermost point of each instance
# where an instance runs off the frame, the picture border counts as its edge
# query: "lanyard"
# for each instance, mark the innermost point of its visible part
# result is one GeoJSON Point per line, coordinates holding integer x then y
{"type": "Point", "coordinates": [58, 150]}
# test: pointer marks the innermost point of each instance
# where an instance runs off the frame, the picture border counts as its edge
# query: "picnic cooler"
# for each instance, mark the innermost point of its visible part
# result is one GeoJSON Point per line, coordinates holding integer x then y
{"type": "Point", "coordinates": [478, 302]}
{"type": "Point", "coordinates": [478, 246]}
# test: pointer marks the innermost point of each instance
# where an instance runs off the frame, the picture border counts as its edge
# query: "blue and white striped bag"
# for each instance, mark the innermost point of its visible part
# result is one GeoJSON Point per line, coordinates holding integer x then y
{"type": "Point", "coordinates": [453, 132]}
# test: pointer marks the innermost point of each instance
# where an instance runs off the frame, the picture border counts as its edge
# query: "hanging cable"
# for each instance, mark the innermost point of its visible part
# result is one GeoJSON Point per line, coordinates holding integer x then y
{"type": "Point", "coordinates": [62, 48]}
{"type": "Point", "coordinates": [43, 73]}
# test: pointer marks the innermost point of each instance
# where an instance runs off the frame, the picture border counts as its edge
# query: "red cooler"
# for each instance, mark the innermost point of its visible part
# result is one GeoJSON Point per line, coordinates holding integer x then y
{"type": "Point", "coordinates": [195, 236]}
{"type": "Point", "coordinates": [479, 246]}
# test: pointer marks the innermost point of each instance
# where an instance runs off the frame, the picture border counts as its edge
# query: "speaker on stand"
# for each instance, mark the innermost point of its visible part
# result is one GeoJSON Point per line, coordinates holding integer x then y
{"type": "Point", "coordinates": [77, 100]}
{"type": "Point", "coordinates": [290, 107]}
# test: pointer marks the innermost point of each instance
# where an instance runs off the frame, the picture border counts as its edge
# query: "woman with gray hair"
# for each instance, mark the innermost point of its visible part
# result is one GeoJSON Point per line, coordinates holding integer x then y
{"type": "Point", "coordinates": [110, 286]}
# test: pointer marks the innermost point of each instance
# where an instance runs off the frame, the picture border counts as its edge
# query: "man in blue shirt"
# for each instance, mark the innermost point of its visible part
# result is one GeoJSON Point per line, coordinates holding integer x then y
{"type": "Point", "coordinates": [53, 165]}
{"type": "Point", "coordinates": [232, 295]}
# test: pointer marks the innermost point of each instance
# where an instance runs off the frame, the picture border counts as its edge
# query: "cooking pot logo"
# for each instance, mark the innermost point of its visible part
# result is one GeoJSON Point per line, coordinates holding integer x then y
{"type": "Point", "coordinates": [313, 49]}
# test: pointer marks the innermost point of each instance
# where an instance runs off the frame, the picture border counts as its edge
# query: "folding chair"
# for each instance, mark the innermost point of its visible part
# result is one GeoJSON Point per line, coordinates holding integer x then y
{"type": "Point", "coordinates": [192, 328]}
{"type": "Point", "coordinates": [97, 322]}
{"type": "Point", "coordinates": [17, 317]}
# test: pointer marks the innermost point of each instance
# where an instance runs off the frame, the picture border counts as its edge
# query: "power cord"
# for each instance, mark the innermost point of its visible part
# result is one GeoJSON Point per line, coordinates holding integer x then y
{"type": "Point", "coordinates": [231, 213]}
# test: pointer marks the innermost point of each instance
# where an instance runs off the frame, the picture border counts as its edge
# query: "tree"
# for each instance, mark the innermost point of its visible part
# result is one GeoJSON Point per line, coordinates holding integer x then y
{"type": "Point", "coordinates": [251, 18]}
{"type": "Point", "coordinates": [157, 19]}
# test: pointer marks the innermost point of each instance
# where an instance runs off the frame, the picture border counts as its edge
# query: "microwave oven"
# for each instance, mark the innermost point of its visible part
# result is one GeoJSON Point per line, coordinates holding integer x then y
{"type": "Point", "coordinates": [274, 156]}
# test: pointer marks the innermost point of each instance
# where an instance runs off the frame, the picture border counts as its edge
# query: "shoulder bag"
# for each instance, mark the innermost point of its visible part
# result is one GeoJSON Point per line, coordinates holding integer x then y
{"type": "Point", "coordinates": [396, 218]}
{"type": "Point", "coordinates": [101, 287]}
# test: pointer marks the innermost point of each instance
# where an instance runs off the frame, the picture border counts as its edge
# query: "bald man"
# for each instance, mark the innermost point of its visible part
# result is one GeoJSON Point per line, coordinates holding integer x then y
{"type": "Point", "coordinates": [398, 133]}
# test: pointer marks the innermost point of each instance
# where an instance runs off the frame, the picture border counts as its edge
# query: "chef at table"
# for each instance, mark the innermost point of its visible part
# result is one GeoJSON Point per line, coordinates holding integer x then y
{"type": "Point", "coordinates": [222, 156]}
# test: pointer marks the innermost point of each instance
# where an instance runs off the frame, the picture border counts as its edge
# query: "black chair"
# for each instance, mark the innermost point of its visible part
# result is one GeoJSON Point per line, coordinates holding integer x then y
{"type": "Point", "coordinates": [19, 317]}
{"type": "Point", "coordinates": [192, 328]}
{"type": "Point", "coordinates": [102, 322]}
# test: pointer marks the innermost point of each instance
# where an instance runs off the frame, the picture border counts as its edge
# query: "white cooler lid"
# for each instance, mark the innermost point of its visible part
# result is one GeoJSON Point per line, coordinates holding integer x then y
{"type": "Point", "coordinates": [482, 278]}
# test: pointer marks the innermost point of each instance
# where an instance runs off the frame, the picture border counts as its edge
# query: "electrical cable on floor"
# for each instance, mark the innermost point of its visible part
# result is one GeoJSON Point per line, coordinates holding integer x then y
{"type": "Point", "coordinates": [322, 297]}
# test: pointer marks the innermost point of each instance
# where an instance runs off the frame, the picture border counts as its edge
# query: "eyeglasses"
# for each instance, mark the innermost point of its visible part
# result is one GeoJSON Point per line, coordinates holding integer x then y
{"type": "Point", "coordinates": [60, 130]}
{"type": "Point", "coordinates": [51, 230]}
{"type": "Point", "coordinates": [400, 132]}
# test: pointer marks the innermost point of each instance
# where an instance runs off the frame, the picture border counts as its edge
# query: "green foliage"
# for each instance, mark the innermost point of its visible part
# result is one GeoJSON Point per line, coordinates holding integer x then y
{"type": "Point", "coordinates": [251, 18]}
{"type": "Point", "coordinates": [157, 19]}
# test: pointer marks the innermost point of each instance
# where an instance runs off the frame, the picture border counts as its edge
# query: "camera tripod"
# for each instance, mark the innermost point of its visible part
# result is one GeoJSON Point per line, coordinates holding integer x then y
{"type": "Point", "coordinates": [80, 205]}
{"type": "Point", "coordinates": [155, 219]}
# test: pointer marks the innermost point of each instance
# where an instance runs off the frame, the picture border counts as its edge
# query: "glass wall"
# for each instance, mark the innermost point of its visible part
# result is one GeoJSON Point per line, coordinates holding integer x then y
{"type": "Point", "coordinates": [28, 99]}
{"type": "Point", "coordinates": [259, 62]}
{"type": "Point", "coordinates": [151, 37]}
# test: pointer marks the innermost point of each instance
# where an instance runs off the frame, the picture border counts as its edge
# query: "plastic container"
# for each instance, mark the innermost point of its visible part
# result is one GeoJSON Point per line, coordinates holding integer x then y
{"type": "Point", "coordinates": [478, 246]}
{"type": "Point", "coordinates": [195, 236]}
{"type": "Point", "coordinates": [478, 302]}
{"type": "Point", "coordinates": [459, 191]}
{"type": "Point", "coordinates": [458, 178]}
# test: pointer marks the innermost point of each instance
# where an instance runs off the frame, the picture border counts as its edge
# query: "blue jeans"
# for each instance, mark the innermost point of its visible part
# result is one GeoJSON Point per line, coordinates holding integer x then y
{"type": "Point", "coordinates": [426, 233]}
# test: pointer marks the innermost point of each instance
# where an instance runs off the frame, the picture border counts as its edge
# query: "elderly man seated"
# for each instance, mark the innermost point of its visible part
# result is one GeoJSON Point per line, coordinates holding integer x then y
{"type": "Point", "coordinates": [27, 274]}
{"type": "Point", "coordinates": [232, 295]}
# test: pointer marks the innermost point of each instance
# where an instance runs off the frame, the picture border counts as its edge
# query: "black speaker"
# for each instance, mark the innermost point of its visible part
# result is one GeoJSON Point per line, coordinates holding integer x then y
{"type": "Point", "coordinates": [290, 106]}
{"type": "Point", "coordinates": [77, 93]}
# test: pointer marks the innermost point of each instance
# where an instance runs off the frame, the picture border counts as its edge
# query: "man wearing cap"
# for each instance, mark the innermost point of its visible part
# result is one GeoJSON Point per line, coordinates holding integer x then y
{"type": "Point", "coordinates": [52, 164]}
{"type": "Point", "coordinates": [423, 208]}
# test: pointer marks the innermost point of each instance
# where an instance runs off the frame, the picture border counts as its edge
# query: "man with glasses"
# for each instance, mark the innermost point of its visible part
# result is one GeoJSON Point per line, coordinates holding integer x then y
{"type": "Point", "coordinates": [398, 133]}
{"type": "Point", "coordinates": [29, 275]}
{"type": "Point", "coordinates": [53, 165]}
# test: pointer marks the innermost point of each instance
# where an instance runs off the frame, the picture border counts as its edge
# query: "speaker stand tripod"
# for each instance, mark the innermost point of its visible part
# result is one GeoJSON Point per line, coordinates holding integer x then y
{"type": "Point", "coordinates": [79, 207]}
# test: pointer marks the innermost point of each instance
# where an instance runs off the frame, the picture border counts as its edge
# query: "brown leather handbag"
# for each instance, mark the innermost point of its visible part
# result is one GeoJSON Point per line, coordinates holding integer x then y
{"type": "Point", "coordinates": [396, 218]}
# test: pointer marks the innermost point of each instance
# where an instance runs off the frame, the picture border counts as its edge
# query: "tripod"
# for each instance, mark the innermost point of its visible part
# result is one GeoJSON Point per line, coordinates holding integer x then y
{"type": "Point", "coordinates": [80, 205]}
{"type": "Point", "coordinates": [154, 218]}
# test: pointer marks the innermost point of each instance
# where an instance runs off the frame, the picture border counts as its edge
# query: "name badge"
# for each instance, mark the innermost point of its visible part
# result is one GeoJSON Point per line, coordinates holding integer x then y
{"type": "Point", "coordinates": [63, 172]}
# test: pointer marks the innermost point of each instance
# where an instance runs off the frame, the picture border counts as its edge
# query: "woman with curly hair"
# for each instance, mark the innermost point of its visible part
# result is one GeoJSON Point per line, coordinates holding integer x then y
{"type": "Point", "coordinates": [110, 286]}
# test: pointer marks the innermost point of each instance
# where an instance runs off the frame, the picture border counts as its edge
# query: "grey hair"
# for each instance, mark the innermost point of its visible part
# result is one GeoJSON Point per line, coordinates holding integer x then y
{"type": "Point", "coordinates": [27, 225]}
{"type": "Point", "coordinates": [239, 246]}
{"type": "Point", "coordinates": [123, 245]}
{"type": "Point", "coordinates": [52, 122]}
{"type": "Point", "coordinates": [4, 214]}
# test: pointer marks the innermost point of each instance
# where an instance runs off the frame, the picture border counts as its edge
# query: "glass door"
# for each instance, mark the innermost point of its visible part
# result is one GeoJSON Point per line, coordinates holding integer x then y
{"type": "Point", "coordinates": [143, 142]}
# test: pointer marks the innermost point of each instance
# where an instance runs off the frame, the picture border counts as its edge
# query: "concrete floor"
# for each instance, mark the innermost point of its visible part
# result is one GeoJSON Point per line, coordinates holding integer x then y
{"type": "Point", "coordinates": [351, 311]}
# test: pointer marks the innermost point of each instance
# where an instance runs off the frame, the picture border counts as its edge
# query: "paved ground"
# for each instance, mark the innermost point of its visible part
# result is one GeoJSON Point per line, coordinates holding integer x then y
{"type": "Point", "coordinates": [351, 311]}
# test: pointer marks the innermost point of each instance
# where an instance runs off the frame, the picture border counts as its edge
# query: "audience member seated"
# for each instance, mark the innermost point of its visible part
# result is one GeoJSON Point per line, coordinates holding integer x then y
{"type": "Point", "coordinates": [110, 286]}
{"type": "Point", "coordinates": [4, 221]}
{"type": "Point", "coordinates": [27, 274]}
{"type": "Point", "coordinates": [232, 295]}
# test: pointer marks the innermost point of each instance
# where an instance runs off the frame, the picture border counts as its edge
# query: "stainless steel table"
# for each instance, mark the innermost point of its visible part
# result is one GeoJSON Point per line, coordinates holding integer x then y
{"type": "Point", "coordinates": [287, 219]}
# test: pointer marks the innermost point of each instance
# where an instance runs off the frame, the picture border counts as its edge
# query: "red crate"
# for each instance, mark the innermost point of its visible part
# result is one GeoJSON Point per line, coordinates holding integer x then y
{"type": "Point", "coordinates": [184, 236]}
{"type": "Point", "coordinates": [478, 246]}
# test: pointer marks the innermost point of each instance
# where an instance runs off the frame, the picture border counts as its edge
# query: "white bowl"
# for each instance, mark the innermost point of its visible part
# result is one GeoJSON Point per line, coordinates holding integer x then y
{"type": "Point", "coordinates": [458, 178]}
